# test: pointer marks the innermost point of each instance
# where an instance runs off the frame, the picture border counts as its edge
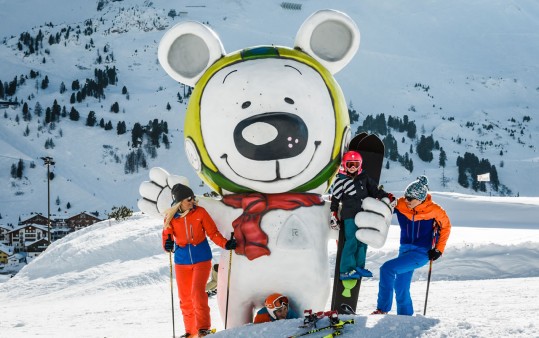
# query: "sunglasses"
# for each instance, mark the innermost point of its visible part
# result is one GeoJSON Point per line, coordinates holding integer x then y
{"type": "Point", "coordinates": [278, 303]}
{"type": "Point", "coordinates": [351, 164]}
{"type": "Point", "coordinates": [189, 199]}
{"type": "Point", "coordinates": [409, 198]}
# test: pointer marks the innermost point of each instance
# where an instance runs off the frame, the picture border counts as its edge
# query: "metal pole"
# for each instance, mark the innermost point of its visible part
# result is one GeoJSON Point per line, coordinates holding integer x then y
{"type": "Point", "coordinates": [427, 294]}
{"type": "Point", "coordinates": [172, 293]}
{"type": "Point", "coordinates": [435, 230]}
{"type": "Point", "coordinates": [49, 202]}
{"type": "Point", "coordinates": [228, 283]}
{"type": "Point", "coordinates": [48, 162]}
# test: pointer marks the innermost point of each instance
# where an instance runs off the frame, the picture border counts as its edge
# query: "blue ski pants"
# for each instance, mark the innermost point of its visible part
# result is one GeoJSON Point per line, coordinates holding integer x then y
{"type": "Point", "coordinates": [396, 275]}
{"type": "Point", "coordinates": [354, 251]}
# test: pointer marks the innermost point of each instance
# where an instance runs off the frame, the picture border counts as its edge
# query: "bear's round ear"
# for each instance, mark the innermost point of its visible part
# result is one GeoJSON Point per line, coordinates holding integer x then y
{"type": "Point", "coordinates": [187, 50]}
{"type": "Point", "coordinates": [329, 36]}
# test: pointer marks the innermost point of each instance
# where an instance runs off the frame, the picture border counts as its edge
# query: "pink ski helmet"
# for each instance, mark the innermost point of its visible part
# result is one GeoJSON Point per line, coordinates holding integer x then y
{"type": "Point", "coordinates": [352, 159]}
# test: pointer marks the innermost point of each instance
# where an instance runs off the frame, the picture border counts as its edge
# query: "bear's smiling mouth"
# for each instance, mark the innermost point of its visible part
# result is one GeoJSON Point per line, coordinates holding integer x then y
{"type": "Point", "coordinates": [277, 167]}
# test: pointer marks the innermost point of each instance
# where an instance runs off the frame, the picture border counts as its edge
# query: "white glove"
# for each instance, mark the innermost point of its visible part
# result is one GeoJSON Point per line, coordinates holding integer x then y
{"type": "Point", "coordinates": [373, 222]}
{"type": "Point", "coordinates": [156, 193]}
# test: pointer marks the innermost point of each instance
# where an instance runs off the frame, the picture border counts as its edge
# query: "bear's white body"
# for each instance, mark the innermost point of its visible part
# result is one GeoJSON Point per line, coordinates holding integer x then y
{"type": "Point", "coordinates": [298, 265]}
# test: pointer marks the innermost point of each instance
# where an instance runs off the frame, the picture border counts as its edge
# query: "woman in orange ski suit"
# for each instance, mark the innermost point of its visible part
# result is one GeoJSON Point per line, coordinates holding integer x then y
{"type": "Point", "coordinates": [185, 232]}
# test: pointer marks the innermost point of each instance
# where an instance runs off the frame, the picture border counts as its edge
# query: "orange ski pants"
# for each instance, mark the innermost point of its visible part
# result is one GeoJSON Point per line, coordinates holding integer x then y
{"type": "Point", "coordinates": [191, 280]}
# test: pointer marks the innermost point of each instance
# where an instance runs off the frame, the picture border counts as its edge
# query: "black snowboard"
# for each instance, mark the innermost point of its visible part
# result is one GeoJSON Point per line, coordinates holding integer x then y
{"type": "Point", "coordinates": [371, 149]}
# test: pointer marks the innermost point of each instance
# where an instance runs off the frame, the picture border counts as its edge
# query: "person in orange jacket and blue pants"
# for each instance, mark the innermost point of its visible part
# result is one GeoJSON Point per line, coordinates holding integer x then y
{"type": "Point", "coordinates": [185, 232]}
{"type": "Point", "coordinates": [422, 223]}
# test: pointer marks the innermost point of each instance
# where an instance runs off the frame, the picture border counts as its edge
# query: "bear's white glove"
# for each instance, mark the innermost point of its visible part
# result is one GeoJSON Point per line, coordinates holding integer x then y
{"type": "Point", "coordinates": [156, 193]}
{"type": "Point", "coordinates": [373, 222]}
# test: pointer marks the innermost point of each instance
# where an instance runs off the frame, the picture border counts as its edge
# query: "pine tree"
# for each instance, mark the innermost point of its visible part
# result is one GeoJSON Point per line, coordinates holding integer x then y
{"type": "Point", "coordinates": [155, 132]}
{"type": "Point", "coordinates": [166, 142]}
{"type": "Point", "coordinates": [352, 114]}
{"type": "Point", "coordinates": [91, 120]}
{"type": "Point", "coordinates": [136, 135]}
{"type": "Point", "coordinates": [56, 111]}
{"type": "Point", "coordinates": [45, 81]}
{"type": "Point", "coordinates": [424, 148]}
{"type": "Point", "coordinates": [48, 116]}
{"type": "Point", "coordinates": [121, 128]}
{"type": "Point", "coordinates": [494, 178]}
{"type": "Point", "coordinates": [26, 116]}
{"type": "Point", "coordinates": [20, 169]}
{"type": "Point", "coordinates": [443, 158]}
{"type": "Point", "coordinates": [75, 85]}
{"type": "Point", "coordinates": [74, 114]}
{"type": "Point", "coordinates": [115, 108]}
{"type": "Point", "coordinates": [38, 110]}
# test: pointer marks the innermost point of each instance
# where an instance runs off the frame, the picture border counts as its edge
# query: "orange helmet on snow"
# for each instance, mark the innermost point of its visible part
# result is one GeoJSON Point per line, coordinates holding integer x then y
{"type": "Point", "coordinates": [275, 301]}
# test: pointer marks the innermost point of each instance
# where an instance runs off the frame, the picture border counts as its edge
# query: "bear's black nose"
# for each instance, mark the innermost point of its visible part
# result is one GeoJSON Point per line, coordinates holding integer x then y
{"type": "Point", "coordinates": [271, 136]}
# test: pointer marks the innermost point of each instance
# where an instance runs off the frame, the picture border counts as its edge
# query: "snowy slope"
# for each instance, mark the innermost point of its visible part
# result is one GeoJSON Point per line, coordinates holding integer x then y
{"type": "Point", "coordinates": [478, 60]}
{"type": "Point", "coordinates": [112, 280]}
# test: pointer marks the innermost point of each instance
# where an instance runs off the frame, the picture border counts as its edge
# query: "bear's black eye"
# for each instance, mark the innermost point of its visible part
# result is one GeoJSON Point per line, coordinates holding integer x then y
{"type": "Point", "coordinates": [245, 104]}
{"type": "Point", "coordinates": [288, 100]}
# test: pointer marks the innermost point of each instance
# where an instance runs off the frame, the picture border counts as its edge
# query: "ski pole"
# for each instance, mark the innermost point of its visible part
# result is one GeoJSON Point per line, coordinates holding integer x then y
{"type": "Point", "coordinates": [428, 283]}
{"type": "Point", "coordinates": [434, 232]}
{"type": "Point", "coordinates": [228, 283]}
{"type": "Point", "coordinates": [171, 293]}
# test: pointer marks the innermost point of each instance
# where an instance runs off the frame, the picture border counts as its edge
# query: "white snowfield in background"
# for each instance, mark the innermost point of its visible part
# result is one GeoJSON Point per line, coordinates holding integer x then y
{"type": "Point", "coordinates": [112, 280]}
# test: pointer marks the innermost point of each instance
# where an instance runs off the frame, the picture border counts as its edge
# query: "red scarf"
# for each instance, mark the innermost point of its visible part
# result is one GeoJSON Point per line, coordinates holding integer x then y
{"type": "Point", "coordinates": [252, 241]}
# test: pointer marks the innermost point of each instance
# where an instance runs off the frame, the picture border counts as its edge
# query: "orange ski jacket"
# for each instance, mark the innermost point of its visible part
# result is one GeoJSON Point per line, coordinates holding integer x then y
{"type": "Point", "coordinates": [191, 230]}
{"type": "Point", "coordinates": [417, 224]}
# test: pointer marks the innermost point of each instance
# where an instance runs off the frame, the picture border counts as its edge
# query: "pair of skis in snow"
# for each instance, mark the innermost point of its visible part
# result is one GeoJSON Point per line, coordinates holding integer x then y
{"type": "Point", "coordinates": [372, 150]}
{"type": "Point", "coordinates": [311, 319]}
{"type": "Point", "coordinates": [337, 328]}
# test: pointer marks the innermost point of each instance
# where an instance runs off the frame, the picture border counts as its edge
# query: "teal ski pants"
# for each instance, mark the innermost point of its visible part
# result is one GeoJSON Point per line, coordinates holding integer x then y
{"type": "Point", "coordinates": [354, 251]}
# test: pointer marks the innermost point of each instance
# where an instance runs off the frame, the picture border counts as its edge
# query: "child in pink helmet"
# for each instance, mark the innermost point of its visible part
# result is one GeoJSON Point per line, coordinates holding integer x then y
{"type": "Point", "coordinates": [351, 186]}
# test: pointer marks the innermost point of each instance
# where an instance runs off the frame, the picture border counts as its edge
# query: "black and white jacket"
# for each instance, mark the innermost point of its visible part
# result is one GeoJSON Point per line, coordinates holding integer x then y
{"type": "Point", "coordinates": [350, 192]}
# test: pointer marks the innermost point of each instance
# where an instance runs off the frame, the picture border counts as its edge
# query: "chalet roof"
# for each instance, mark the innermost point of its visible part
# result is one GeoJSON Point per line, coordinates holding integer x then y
{"type": "Point", "coordinates": [7, 227]}
{"type": "Point", "coordinates": [22, 226]}
{"type": "Point", "coordinates": [27, 244]}
{"type": "Point", "coordinates": [84, 213]}
{"type": "Point", "coordinates": [8, 250]}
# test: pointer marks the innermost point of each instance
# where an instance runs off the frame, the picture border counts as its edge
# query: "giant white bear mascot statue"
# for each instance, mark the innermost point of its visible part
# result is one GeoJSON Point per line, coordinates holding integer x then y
{"type": "Point", "coordinates": [265, 128]}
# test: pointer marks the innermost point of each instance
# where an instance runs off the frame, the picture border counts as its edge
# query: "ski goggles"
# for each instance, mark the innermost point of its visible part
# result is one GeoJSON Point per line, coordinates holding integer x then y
{"type": "Point", "coordinates": [409, 198]}
{"type": "Point", "coordinates": [353, 164]}
{"type": "Point", "coordinates": [190, 198]}
{"type": "Point", "coordinates": [277, 303]}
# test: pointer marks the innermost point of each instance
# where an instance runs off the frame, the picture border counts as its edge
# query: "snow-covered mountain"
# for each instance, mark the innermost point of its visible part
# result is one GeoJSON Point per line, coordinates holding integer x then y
{"type": "Point", "coordinates": [465, 73]}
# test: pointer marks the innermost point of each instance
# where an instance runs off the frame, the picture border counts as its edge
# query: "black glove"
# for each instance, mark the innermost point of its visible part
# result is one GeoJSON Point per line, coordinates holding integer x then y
{"type": "Point", "coordinates": [434, 254]}
{"type": "Point", "coordinates": [231, 244]}
{"type": "Point", "coordinates": [169, 244]}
